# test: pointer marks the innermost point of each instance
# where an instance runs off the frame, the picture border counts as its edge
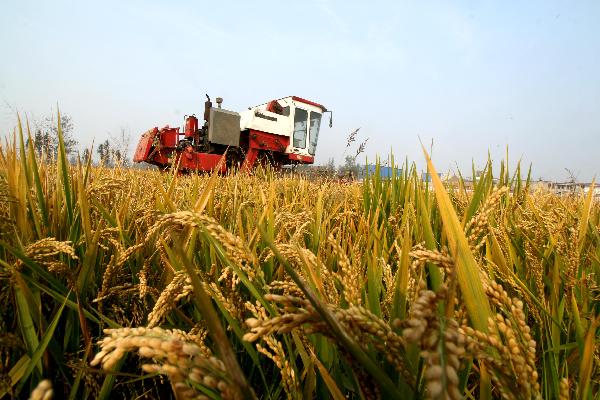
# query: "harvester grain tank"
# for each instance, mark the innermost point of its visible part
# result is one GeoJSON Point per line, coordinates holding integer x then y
{"type": "Point", "coordinates": [280, 132]}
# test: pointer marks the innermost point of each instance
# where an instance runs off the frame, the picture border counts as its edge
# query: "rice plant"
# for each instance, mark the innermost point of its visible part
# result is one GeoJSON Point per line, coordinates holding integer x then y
{"type": "Point", "coordinates": [121, 283]}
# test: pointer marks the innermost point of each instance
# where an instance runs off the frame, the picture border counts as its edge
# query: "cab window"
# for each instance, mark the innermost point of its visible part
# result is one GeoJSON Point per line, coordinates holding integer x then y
{"type": "Point", "coordinates": [300, 128]}
{"type": "Point", "coordinates": [315, 124]}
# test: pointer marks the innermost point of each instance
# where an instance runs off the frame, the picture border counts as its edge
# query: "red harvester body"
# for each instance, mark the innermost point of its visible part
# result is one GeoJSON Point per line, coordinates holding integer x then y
{"type": "Point", "coordinates": [279, 132]}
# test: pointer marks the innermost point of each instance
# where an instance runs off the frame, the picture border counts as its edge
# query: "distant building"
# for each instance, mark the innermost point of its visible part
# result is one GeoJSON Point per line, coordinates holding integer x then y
{"type": "Point", "coordinates": [565, 188]}
{"type": "Point", "coordinates": [387, 172]}
{"type": "Point", "coordinates": [371, 169]}
{"type": "Point", "coordinates": [596, 190]}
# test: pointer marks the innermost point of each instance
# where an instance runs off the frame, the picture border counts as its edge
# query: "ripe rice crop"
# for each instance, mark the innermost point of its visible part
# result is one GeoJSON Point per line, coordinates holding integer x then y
{"type": "Point", "coordinates": [122, 283]}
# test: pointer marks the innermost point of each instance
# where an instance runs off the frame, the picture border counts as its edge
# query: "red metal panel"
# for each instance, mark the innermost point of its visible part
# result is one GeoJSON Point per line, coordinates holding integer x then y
{"type": "Point", "coordinates": [268, 141]}
{"type": "Point", "coordinates": [161, 158]}
{"type": "Point", "coordinates": [250, 159]}
{"type": "Point", "coordinates": [169, 137]}
{"type": "Point", "coordinates": [274, 107]}
{"type": "Point", "coordinates": [201, 161]}
{"type": "Point", "coordinates": [144, 145]}
{"type": "Point", "coordinates": [303, 159]}
{"type": "Point", "coordinates": [312, 103]}
{"type": "Point", "coordinates": [191, 126]}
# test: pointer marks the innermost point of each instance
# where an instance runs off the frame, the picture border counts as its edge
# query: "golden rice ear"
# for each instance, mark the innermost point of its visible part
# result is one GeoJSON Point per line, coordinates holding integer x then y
{"type": "Point", "coordinates": [43, 391]}
{"type": "Point", "coordinates": [172, 354]}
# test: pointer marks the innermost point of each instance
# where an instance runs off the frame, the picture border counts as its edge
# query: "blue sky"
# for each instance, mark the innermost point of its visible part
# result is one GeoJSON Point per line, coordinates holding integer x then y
{"type": "Point", "coordinates": [473, 76]}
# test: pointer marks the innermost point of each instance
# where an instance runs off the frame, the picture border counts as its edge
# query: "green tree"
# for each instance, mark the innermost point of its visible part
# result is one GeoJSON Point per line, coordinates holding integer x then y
{"type": "Point", "coordinates": [45, 138]}
{"type": "Point", "coordinates": [350, 168]}
{"type": "Point", "coordinates": [104, 153]}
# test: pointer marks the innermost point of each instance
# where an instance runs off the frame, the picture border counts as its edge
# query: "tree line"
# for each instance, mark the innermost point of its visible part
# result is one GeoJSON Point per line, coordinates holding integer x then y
{"type": "Point", "coordinates": [112, 151]}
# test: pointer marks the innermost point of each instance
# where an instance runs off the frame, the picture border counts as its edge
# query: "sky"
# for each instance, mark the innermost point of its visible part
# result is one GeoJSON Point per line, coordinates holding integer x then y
{"type": "Point", "coordinates": [472, 77]}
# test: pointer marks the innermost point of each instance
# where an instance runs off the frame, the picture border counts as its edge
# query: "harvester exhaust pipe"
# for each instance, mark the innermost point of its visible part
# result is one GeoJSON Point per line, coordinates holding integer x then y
{"type": "Point", "coordinates": [207, 107]}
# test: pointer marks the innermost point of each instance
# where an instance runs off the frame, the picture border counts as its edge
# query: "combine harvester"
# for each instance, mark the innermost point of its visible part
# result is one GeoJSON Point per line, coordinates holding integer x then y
{"type": "Point", "coordinates": [280, 132]}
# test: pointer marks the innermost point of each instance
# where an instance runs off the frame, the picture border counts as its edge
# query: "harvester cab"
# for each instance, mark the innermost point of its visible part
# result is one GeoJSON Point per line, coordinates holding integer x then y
{"type": "Point", "coordinates": [297, 119]}
{"type": "Point", "coordinates": [279, 132]}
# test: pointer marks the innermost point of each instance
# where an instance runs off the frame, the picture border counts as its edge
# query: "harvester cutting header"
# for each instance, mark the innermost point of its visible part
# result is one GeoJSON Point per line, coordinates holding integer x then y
{"type": "Point", "coordinates": [279, 132]}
